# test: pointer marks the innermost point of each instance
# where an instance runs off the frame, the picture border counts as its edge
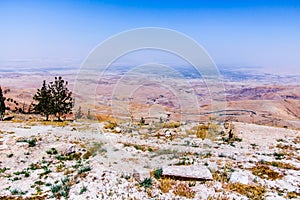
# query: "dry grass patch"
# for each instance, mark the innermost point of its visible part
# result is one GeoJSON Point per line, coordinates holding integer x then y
{"type": "Point", "coordinates": [203, 131]}
{"type": "Point", "coordinates": [55, 123]}
{"type": "Point", "coordinates": [286, 147]}
{"type": "Point", "coordinates": [141, 147]}
{"type": "Point", "coordinates": [183, 190]}
{"type": "Point", "coordinates": [171, 125]}
{"type": "Point", "coordinates": [291, 195]}
{"type": "Point", "coordinates": [251, 191]}
{"type": "Point", "coordinates": [280, 165]}
{"type": "Point", "coordinates": [265, 172]}
{"type": "Point", "coordinates": [165, 185]}
{"type": "Point", "coordinates": [93, 149]}
{"type": "Point", "coordinates": [105, 118]}
{"type": "Point", "coordinates": [110, 125]}
{"type": "Point", "coordinates": [220, 176]}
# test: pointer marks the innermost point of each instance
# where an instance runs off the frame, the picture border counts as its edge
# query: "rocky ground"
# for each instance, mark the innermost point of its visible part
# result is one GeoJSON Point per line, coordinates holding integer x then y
{"type": "Point", "coordinates": [100, 160]}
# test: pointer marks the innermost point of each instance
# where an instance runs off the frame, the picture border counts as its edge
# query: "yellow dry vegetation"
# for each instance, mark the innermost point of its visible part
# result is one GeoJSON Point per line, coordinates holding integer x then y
{"type": "Point", "coordinates": [209, 130]}
{"type": "Point", "coordinates": [264, 171]}
{"type": "Point", "coordinates": [183, 190]}
{"type": "Point", "coordinates": [166, 184]}
{"type": "Point", "coordinates": [55, 123]}
{"type": "Point", "coordinates": [106, 118]}
{"type": "Point", "coordinates": [251, 191]}
{"type": "Point", "coordinates": [281, 165]}
{"type": "Point", "coordinates": [171, 125]}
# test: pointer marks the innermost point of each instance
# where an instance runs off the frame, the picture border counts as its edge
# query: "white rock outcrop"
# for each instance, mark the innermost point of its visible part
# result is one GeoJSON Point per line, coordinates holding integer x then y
{"type": "Point", "coordinates": [192, 172]}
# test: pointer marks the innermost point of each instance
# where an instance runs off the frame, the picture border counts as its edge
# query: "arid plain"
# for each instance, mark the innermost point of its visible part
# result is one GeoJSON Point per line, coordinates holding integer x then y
{"type": "Point", "coordinates": [162, 138]}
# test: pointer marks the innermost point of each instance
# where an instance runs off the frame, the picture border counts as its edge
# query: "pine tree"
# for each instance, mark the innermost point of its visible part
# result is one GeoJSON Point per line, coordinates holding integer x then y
{"type": "Point", "coordinates": [2, 104]}
{"type": "Point", "coordinates": [54, 99]}
{"type": "Point", "coordinates": [43, 97]}
{"type": "Point", "coordinates": [61, 101]}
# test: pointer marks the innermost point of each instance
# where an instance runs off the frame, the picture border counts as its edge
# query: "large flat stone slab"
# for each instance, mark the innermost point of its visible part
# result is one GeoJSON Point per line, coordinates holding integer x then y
{"type": "Point", "coordinates": [188, 172]}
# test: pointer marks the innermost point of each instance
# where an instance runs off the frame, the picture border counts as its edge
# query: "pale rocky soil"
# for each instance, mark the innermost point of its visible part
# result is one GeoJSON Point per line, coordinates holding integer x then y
{"type": "Point", "coordinates": [263, 165]}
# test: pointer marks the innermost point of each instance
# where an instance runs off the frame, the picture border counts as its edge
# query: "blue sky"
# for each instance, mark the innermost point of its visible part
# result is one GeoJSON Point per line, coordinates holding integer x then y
{"type": "Point", "coordinates": [235, 33]}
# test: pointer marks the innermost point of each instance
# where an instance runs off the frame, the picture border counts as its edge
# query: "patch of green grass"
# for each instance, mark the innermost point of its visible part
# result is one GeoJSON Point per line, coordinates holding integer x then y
{"type": "Point", "coordinates": [26, 173]}
{"type": "Point", "coordinates": [278, 156]}
{"type": "Point", "coordinates": [138, 147]}
{"type": "Point", "coordinates": [61, 189]}
{"type": "Point", "coordinates": [60, 167]}
{"type": "Point", "coordinates": [147, 182]}
{"type": "Point", "coordinates": [31, 142]}
{"type": "Point", "coordinates": [55, 188]}
{"type": "Point", "coordinates": [84, 169]}
{"type": "Point", "coordinates": [83, 189]}
{"type": "Point", "coordinates": [38, 190]}
{"type": "Point", "coordinates": [236, 139]}
{"type": "Point", "coordinates": [46, 171]}
{"type": "Point", "coordinates": [48, 184]}
{"type": "Point", "coordinates": [39, 182]}
{"type": "Point", "coordinates": [72, 156]}
{"type": "Point", "coordinates": [17, 192]}
{"type": "Point", "coordinates": [158, 173]}
{"type": "Point", "coordinates": [16, 179]}
{"type": "Point", "coordinates": [35, 166]}
{"type": "Point", "coordinates": [10, 155]}
{"type": "Point", "coordinates": [52, 151]}
{"type": "Point", "coordinates": [2, 170]}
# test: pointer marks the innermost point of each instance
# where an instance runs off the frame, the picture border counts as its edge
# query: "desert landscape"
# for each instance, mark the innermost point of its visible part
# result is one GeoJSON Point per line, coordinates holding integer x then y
{"type": "Point", "coordinates": [154, 154]}
{"type": "Point", "coordinates": [158, 100]}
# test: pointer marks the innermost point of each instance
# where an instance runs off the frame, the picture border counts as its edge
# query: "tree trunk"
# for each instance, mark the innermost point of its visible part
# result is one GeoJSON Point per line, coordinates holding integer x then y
{"type": "Point", "coordinates": [58, 117]}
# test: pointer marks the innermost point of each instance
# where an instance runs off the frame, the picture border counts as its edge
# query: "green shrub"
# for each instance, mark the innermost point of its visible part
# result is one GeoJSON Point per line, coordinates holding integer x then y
{"type": "Point", "coordinates": [31, 142]}
{"type": "Point", "coordinates": [52, 151]}
{"type": "Point", "coordinates": [84, 169]}
{"type": "Point", "coordinates": [10, 155]}
{"type": "Point", "coordinates": [83, 189]}
{"type": "Point", "coordinates": [55, 188]}
{"type": "Point", "coordinates": [2, 170]}
{"type": "Point", "coordinates": [147, 182]}
{"type": "Point", "coordinates": [158, 173]}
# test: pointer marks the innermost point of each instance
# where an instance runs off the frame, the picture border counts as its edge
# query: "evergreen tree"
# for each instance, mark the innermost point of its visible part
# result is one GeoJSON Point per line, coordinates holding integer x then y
{"type": "Point", "coordinates": [61, 100]}
{"type": "Point", "coordinates": [44, 99]}
{"type": "Point", "coordinates": [2, 104]}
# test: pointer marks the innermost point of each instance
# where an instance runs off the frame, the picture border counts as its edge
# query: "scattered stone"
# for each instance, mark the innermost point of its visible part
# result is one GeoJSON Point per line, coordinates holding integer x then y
{"type": "Point", "coordinates": [188, 172]}
{"type": "Point", "coordinates": [118, 130]}
{"type": "Point", "coordinates": [168, 133]}
{"type": "Point", "coordinates": [212, 166]}
{"type": "Point", "coordinates": [70, 149]}
{"type": "Point", "coordinates": [239, 177]}
{"type": "Point", "coordinates": [139, 176]}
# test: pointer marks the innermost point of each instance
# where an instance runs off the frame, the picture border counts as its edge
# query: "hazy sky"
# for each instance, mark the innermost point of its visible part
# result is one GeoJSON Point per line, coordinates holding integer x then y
{"type": "Point", "coordinates": [235, 33]}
